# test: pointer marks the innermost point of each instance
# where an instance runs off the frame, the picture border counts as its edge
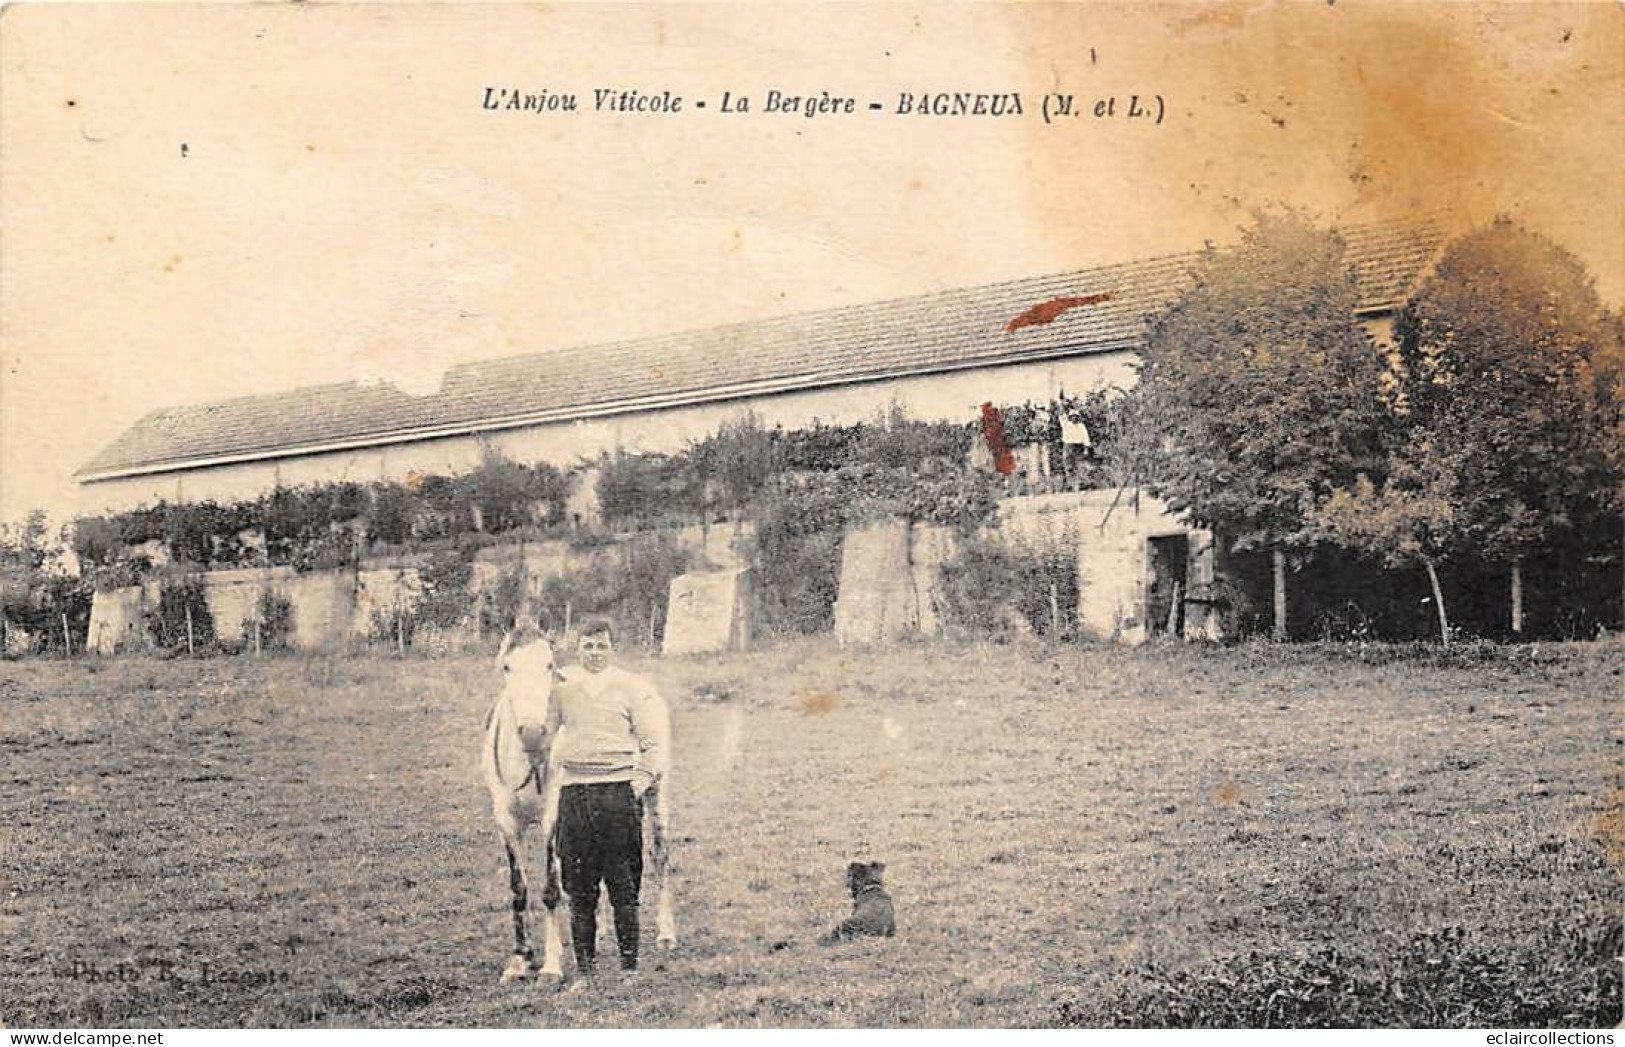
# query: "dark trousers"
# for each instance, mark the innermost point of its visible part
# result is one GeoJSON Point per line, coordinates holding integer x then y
{"type": "Point", "coordinates": [601, 841]}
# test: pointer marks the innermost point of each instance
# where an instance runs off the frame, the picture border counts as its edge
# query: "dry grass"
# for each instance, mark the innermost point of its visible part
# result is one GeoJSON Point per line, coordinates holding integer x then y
{"type": "Point", "coordinates": [1081, 836]}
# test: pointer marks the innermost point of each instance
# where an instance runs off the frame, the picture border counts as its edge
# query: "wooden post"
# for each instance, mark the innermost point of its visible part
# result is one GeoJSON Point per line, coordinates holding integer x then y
{"type": "Point", "coordinates": [67, 638]}
{"type": "Point", "coordinates": [1054, 613]}
{"type": "Point", "coordinates": [567, 617]}
{"type": "Point", "coordinates": [190, 650]}
{"type": "Point", "coordinates": [1173, 610]}
{"type": "Point", "coordinates": [1517, 597]}
{"type": "Point", "coordinates": [1278, 565]}
{"type": "Point", "coordinates": [400, 624]}
{"type": "Point", "coordinates": [1438, 601]}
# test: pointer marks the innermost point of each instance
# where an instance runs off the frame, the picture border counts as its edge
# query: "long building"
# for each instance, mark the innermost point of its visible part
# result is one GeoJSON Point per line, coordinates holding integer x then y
{"type": "Point", "coordinates": [938, 355]}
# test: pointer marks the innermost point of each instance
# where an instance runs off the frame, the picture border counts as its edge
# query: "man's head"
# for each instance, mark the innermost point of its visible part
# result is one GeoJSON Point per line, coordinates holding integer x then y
{"type": "Point", "coordinates": [597, 641]}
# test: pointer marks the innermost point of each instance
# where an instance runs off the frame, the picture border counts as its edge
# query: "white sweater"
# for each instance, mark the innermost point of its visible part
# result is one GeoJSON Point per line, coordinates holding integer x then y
{"type": "Point", "coordinates": [615, 726]}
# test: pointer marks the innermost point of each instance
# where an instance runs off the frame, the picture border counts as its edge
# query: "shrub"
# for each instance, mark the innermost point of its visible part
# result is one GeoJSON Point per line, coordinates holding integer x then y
{"type": "Point", "coordinates": [141, 525]}
{"type": "Point", "coordinates": [445, 599]}
{"type": "Point", "coordinates": [736, 465]}
{"type": "Point", "coordinates": [393, 625]}
{"type": "Point", "coordinates": [504, 491]}
{"type": "Point", "coordinates": [993, 574]}
{"type": "Point", "coordinates": [798, 547]}
{"type": "Point", "coordinates": [651, 564]}
{"type": "Point", "coordinates": [325, 551]}
{"type": "Point", "coordinates": [389, 517]}
{"type": "Point", "coordinates": [631, 590]}
{"type": "Point", "coordinates": [820, 447]}
{"type": "Point", "coordinates": [97, 541]}
{"type": "Point", "coordinates": [636, 489]}
{"type": "Point", "coordinates": [178, 595]}
{"type": "Point", "coordinates": [274, 614]}
{"type": "Point", "coordinates": [500, 604]}
{"type": "Point", "coordinates": [977, 583]}
{"type": "Point", "coordinates": [34, 592]}
{"type": "Point", "coordinates": [906, 444]}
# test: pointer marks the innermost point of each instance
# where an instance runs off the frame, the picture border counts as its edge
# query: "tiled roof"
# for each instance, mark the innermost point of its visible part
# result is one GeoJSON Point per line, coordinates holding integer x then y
{"type": "Point", "coordinates": [1087, 311]}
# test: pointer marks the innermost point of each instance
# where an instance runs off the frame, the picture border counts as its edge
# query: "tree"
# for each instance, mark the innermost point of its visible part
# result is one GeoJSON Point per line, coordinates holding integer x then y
{"type": "Point", "coordinates": [36, 593]}
{"type": "Point", "coordinates": [738, 463]}
{"type": "Point", "coordinates": [1509, 382]}
{"type": "Point", "coordinates": [389, 518]}
{"type": "Point", "coordinates": [1265, 390]}
{"type": "Point", "coordinates": [1410, 518]}
{"type": "Point", "coordinates": [498, 495]}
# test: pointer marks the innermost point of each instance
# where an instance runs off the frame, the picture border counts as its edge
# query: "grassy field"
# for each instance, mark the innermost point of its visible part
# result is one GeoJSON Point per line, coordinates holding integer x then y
{"type": "Point", "coordinates": [1082, 836]}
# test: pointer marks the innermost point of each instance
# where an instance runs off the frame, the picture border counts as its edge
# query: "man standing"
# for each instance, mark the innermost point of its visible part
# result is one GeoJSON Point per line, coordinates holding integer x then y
{"type": "Point", "coordinates": [614, 744]}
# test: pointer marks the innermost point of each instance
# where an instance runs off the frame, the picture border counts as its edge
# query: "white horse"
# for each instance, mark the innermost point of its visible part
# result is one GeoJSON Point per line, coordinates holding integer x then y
{"type": "Point", "coordinates": [517, 760]}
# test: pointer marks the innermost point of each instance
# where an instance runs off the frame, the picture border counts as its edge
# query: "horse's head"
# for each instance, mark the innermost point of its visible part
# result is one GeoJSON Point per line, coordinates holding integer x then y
{"type": "Point", "coordinates": [529, 673]}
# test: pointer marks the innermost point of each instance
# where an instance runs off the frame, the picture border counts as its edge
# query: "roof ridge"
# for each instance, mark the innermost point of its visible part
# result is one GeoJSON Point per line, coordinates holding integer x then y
{"type": "Point", "coordinates": [879, 304]}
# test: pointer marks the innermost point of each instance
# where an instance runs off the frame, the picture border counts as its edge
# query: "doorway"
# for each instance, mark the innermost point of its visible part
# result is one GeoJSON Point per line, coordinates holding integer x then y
{"type": "Point", "coordinates": [1167, 583]}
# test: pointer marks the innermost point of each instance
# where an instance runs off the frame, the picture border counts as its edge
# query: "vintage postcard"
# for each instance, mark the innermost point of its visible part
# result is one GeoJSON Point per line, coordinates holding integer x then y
{"type": "Point", "coordinates": [811, 515]}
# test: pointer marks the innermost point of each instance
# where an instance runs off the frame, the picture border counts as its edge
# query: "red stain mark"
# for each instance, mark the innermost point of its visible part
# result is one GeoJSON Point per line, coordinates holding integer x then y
{"type": "Point", "coordinates": [816, 703]}
{"type": "Point", "coordinates": [1046, 312]}
{"type": "Point", "coordinates": [993, 433]}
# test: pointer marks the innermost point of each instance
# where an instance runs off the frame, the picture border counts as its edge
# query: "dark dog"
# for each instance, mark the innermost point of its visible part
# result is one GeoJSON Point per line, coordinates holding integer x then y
{"type": "Point", "coordinates": [872, 913]}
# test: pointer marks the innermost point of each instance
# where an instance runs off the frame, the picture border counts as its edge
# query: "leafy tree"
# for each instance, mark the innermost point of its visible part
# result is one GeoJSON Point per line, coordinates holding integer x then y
{"type": "Point", "coordinates": [1410, 518]}
{"type": "Point", "coordinates": [821, 447]}
{"type": "Point", "coordinates": [186, 532]}
{"type": "Point", "coordinates": [1265, 390]}
{"type": "Point", "coordinates": [97, 541]}
{"type": "Point", "coordinates": [499, 494]}
{"type": "Point", "coordinates": [901, 442]}
{"type": "Point", "coordinates": [739, 462]}
{"type": "Point", "coordinates": [183, 618]}
{"type": "Point", "coordinates": [35, 591]}
{"type": "Point", "coordinates": [1509, 390]}
{"type": "Point", "coordinates": [389, 518]}
{"type": "Point", "coordinates": [642, 487]}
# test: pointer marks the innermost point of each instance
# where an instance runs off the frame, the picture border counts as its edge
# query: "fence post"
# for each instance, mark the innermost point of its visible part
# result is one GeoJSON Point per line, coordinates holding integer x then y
{"type": "Point", "coordinates": [67, 639]}
{"type": "Point", "coordinates": [1054, 614]}
{"type": "Point", "coordinates": [189, 648]}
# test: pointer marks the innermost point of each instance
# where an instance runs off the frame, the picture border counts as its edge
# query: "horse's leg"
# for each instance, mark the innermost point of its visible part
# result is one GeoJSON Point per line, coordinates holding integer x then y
{"type": "Point", "coordinates": [660, 854]}
{"type": "Point", "coordinates": [519, 963]}
{"type": "Point", "coordinates": [552, 940]}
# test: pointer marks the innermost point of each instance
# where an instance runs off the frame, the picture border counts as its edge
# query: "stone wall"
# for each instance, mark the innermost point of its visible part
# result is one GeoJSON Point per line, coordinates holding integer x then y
{"type": "Point", "coordinates": [890, 583]}
{"type": "Point", "coordinates": [933, 547]}
{"type": "Point", "coordinates": [234, 597]}
{"type": "Point", "coordinates": [1110, 532]}
{"type": "Point", "coordinates": [720, 546]}
{"type": "Point", "coordinates": [118, 620]}
{"type": "Point", "coordinates": [878, 599]}
{"type": "Point", "coordinates": [323, 608]}
{"type": "Point", "coordinates": [708, 612]}
{"type": "Point", "coordinates": [382, 592]}
{"type": "Point", "coordinates": [333, 608]}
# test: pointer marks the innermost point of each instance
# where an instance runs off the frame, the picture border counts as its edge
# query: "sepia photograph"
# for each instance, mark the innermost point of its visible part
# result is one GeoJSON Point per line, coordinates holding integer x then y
{"type": "Point", "coordinates": [812, 515]}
